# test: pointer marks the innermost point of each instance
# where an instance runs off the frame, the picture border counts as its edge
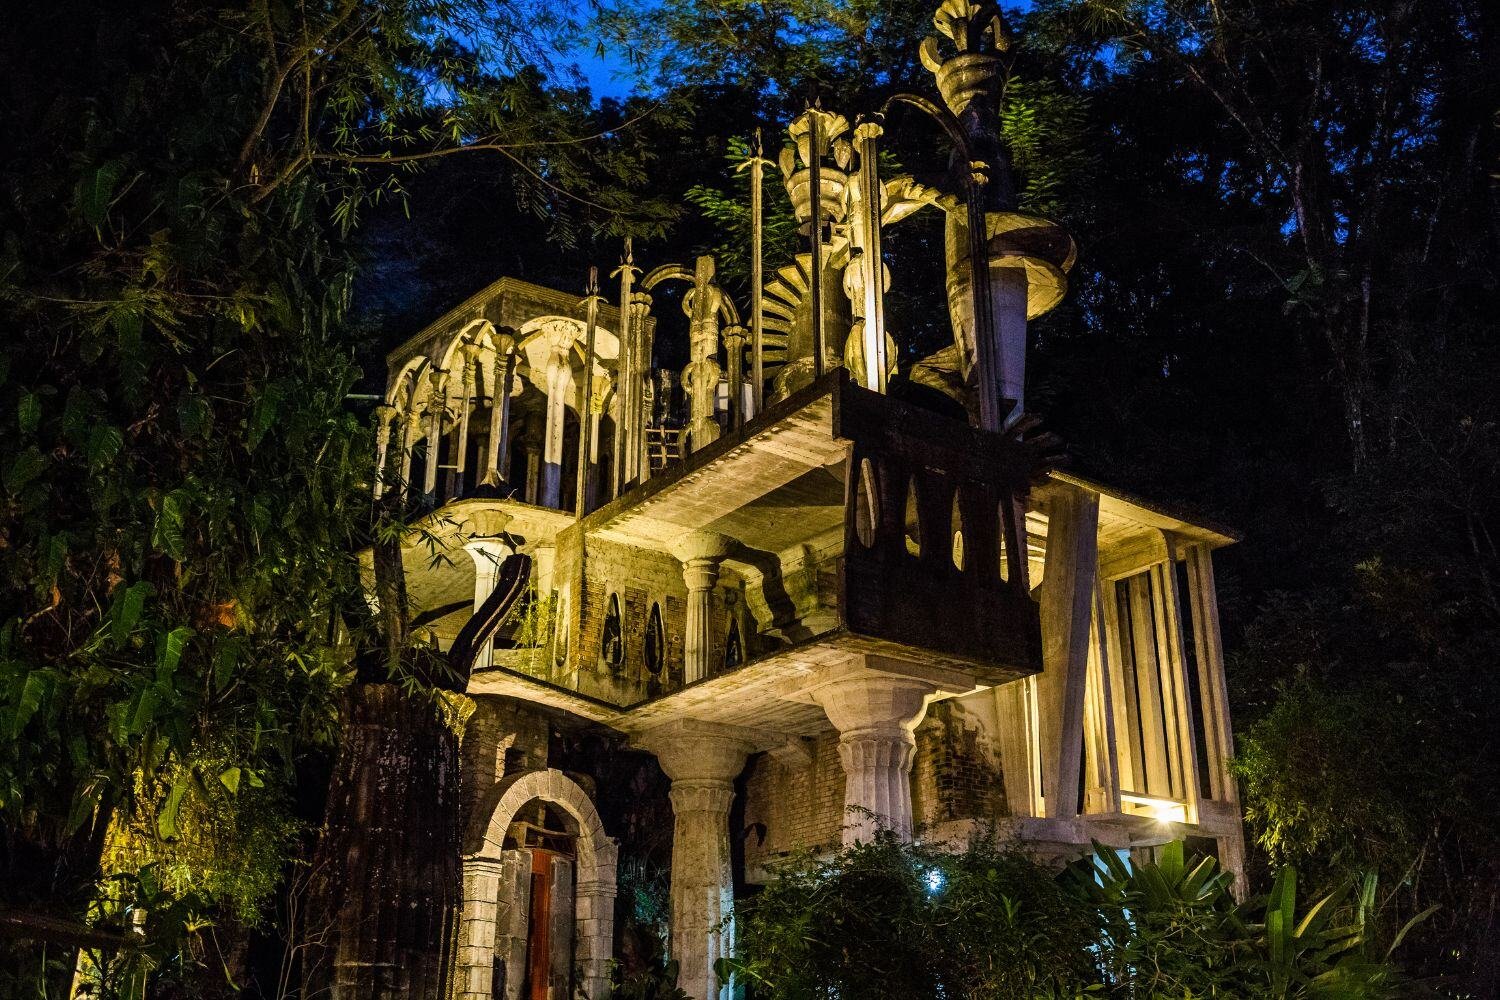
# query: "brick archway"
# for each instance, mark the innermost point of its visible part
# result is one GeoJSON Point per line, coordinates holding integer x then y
{"type": "Point", "coordinates": [491, 909]}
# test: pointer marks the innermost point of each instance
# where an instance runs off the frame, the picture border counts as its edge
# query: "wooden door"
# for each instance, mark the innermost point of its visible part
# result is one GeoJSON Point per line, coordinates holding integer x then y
{"type": "Point", "coordinates": [538, 937]}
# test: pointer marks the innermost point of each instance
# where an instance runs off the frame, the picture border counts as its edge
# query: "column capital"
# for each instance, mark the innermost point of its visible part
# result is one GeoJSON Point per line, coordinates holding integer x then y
{"type": "Point", "coordinates": [698, 752]}
{"type": "Point", "coordinates": [874, 701]}
{"type": "Point", "coordinates": [710, 796]}
{"type": "Point", "coordinates": [696, 546]}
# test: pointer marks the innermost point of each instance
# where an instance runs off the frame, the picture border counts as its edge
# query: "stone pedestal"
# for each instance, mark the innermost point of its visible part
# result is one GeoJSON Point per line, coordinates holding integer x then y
{"type": "Point", "coordinates": [703, 762]}
{"type": "Point", "coordinates": [875, 715]}
{"type": "Point", "coordinates": [700, 553]}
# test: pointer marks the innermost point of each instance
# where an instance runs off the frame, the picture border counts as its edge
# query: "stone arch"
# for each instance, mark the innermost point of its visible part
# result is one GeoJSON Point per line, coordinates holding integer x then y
{"type": "Point", "coordinates": [491, 869]}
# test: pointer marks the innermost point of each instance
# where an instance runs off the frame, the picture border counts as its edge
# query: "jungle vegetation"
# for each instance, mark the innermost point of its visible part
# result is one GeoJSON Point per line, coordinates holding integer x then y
{"type": "Point", "coordinates": [216, 217]}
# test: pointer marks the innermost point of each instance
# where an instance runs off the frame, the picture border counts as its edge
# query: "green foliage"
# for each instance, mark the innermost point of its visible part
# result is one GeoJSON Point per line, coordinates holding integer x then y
{"type": "Point", "coordinates": [1171, 928]}
{"type": "Point", "coordinates": [891, 920]}
{"type": "Point", "coordinates": [728, 216]}
{"type": "Point", "coordinates": [910, 921]}
{"type": "Point", "coordinates": [183, 484]}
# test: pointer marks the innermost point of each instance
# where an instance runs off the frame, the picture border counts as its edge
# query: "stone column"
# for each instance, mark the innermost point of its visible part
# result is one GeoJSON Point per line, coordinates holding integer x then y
{"type": "Point", "coordinates": [411, 430]}
{"type": "Point", "coordinates": [701, 376]}
{"type": "Point", "coordinates": [469, 378]}
{"type": "Point", "coordinates": [385, 418]}
{"type": "Point", "coordinates": [437, 405]}
{"type": "Point", "coordinates": [700, 553]}
{"type": "Point", "coordinates": [502, 381]}
{"type": "Point", "coordinates": [634, 420]}
{"type": "Point", "coordinates": [559, 383]}
{"type": "Point", "coordinates": [1067, 600]}
{"type": "Point", "coordinates": [488, 554]}
{"type": "Point", "coordinates": [703, 762]}
{"type": "Point", "coordinates": [875, 715]}
{"type": "Point", "coordinates": [1008, 297]}
{"type": "Point", "coordinates": [483, 879]}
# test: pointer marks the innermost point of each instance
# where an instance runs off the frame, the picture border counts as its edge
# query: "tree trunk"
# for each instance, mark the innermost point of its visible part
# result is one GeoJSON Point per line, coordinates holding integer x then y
{"type": "Point", "coordinates": [386, 885]}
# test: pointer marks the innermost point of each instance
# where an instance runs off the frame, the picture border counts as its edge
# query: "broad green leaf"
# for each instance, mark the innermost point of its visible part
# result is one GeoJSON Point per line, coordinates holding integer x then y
{"type": "Point", "coordinates": [104, 444]}
{"type": "Point", "coordinates": [226, 658]}
{"type": "Point", "coordinates": [169, 653]}
{"type": "Point", "coordinates": [128, 610]}
{"type": "Point", "coordinates": [32, 692]}
{"type": "Point", "coordinates": [263, 414]}
{"type": "Point", "coordinates": [85, 802]}
{"type": "Point", "coordinates": [230, 779]}
{"type": "Point", "coordinates": [166, 820]}
{"type": "Point", "coordinates": [145, 712]}
{"type": "Point", "coordinates": [24, 469]}
{"type": "Point", "coordinates": [96, 191]}
{"type": "Point", "coordinates": [29, 412]}
{"type": "Point", "coordinates": [170, 537]}
{"type": "Point", "coordinates": [194, 415]}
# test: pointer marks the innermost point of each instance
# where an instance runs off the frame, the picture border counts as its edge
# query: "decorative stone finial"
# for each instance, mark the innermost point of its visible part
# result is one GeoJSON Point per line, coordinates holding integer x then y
{"type": "Point", "coordinates": [797, 158]}
{"type": "Point", "coordinates": [976, 31]}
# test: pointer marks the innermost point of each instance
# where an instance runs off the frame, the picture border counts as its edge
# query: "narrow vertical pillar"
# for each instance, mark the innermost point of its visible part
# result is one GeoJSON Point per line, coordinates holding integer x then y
{"type": "Point", "coordinates": [1008, 293]}
{"type": "Point", "coordinates": [483, 885]}
{"type": "Point", "coordinates": [870, 264]}
{"type": "Point", "coordinates": [410, 431]}
{"type": "Point", "coordinates": [559, 383]}
{"type": "Point", "coordinates": [734, 351]}
{"type": "Point", "coordinates": [468, 378]}
{"type": "Point", "coordinates": [876, 715]}
{"type": "Point", "coordinates": [1067, 611]}
{"type": "Point", "coordinates": [437, 405]}
{"type": "Point", "coordinates": [632, 383]}
{"type": "Point", "coordinates": [700, 553]}
{"type": "Point", "coordinates": [385, 419]}
{"type": "Point", "coordinates": [488, 554]}
{"type": "Point", "coordinates": [701, 376]}
{"type": "Point", "coordinates": [502, 381]}
{"type": "Point", "coordinates": [703, 762]}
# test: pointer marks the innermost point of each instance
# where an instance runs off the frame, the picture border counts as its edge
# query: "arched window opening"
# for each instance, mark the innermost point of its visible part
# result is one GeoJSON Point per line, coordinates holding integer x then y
{"type": "Point", "coordinates": [866, 505]}
{"type": "Point", "coordinates": [612, 645]}
{"type": "Point", "coordinates": [655, 647]}
{"type": "Point", "coordinates": [912, 521]}
{"type": "Point", "coordinates": [957, 523]}
{"type": "Point", "coordinates": [734, 651]}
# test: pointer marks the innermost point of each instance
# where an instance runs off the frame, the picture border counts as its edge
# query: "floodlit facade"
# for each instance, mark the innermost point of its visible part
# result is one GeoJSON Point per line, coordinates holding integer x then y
{"type": "Point", "coordinates": [860, 613]}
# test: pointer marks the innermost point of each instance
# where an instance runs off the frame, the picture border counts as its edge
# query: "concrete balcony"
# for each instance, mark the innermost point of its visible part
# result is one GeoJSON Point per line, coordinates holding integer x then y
{"type": "Point", "coordinates": [839, 525]}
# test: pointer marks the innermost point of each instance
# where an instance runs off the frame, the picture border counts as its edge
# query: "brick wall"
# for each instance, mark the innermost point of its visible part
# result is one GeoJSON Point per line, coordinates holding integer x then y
{"type": "Point", "coordinates": [502, 737]}
{"type": "Point", "coordinates": [799, 802]}
{"type": "Point", "coordinates": [956, 774]}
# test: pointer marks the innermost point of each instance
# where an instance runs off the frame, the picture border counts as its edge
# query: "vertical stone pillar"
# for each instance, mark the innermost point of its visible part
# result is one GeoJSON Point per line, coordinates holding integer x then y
{"type": "Point", "coordinates": [385, 418]}
{"type": "Point", "coordinates": [411, 429]}
{"type": "Point", "coordinates": [1008, 295]}
{"type": "Point", "coordinates": [559, 383]}
{"type": "Point", "coordinates": [469, 378]}
{"type": "Point", "coordinates": [735, 338]}
{"type": "Point", "coordinates": [488, 554]}
{"type": "Point", "coordinates": [701, 376]}
{"type": "Point", "coordinates": [875, 714]}
{"type": "Point", "coordinates": [437, 405]}
{"type": "Point", "coordinates": [594, 948]}
{"type": "Point", "coordinates": [501, 380]}
{"type": "Point", "coordinates": [700, 553]}
{"type": "Point", "coordinates": [703, 761]}
{"type": "Point", "coordinates": [631, 382]}
{"type": "Point", "coordinates": [1067, 611]}
{"type": "Point", "coordinates": [483, 882]}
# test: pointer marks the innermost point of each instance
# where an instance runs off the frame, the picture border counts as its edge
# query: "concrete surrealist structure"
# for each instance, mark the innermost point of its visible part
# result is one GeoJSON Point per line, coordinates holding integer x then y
{"type": "Point", "coordinates": [856, 614]}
